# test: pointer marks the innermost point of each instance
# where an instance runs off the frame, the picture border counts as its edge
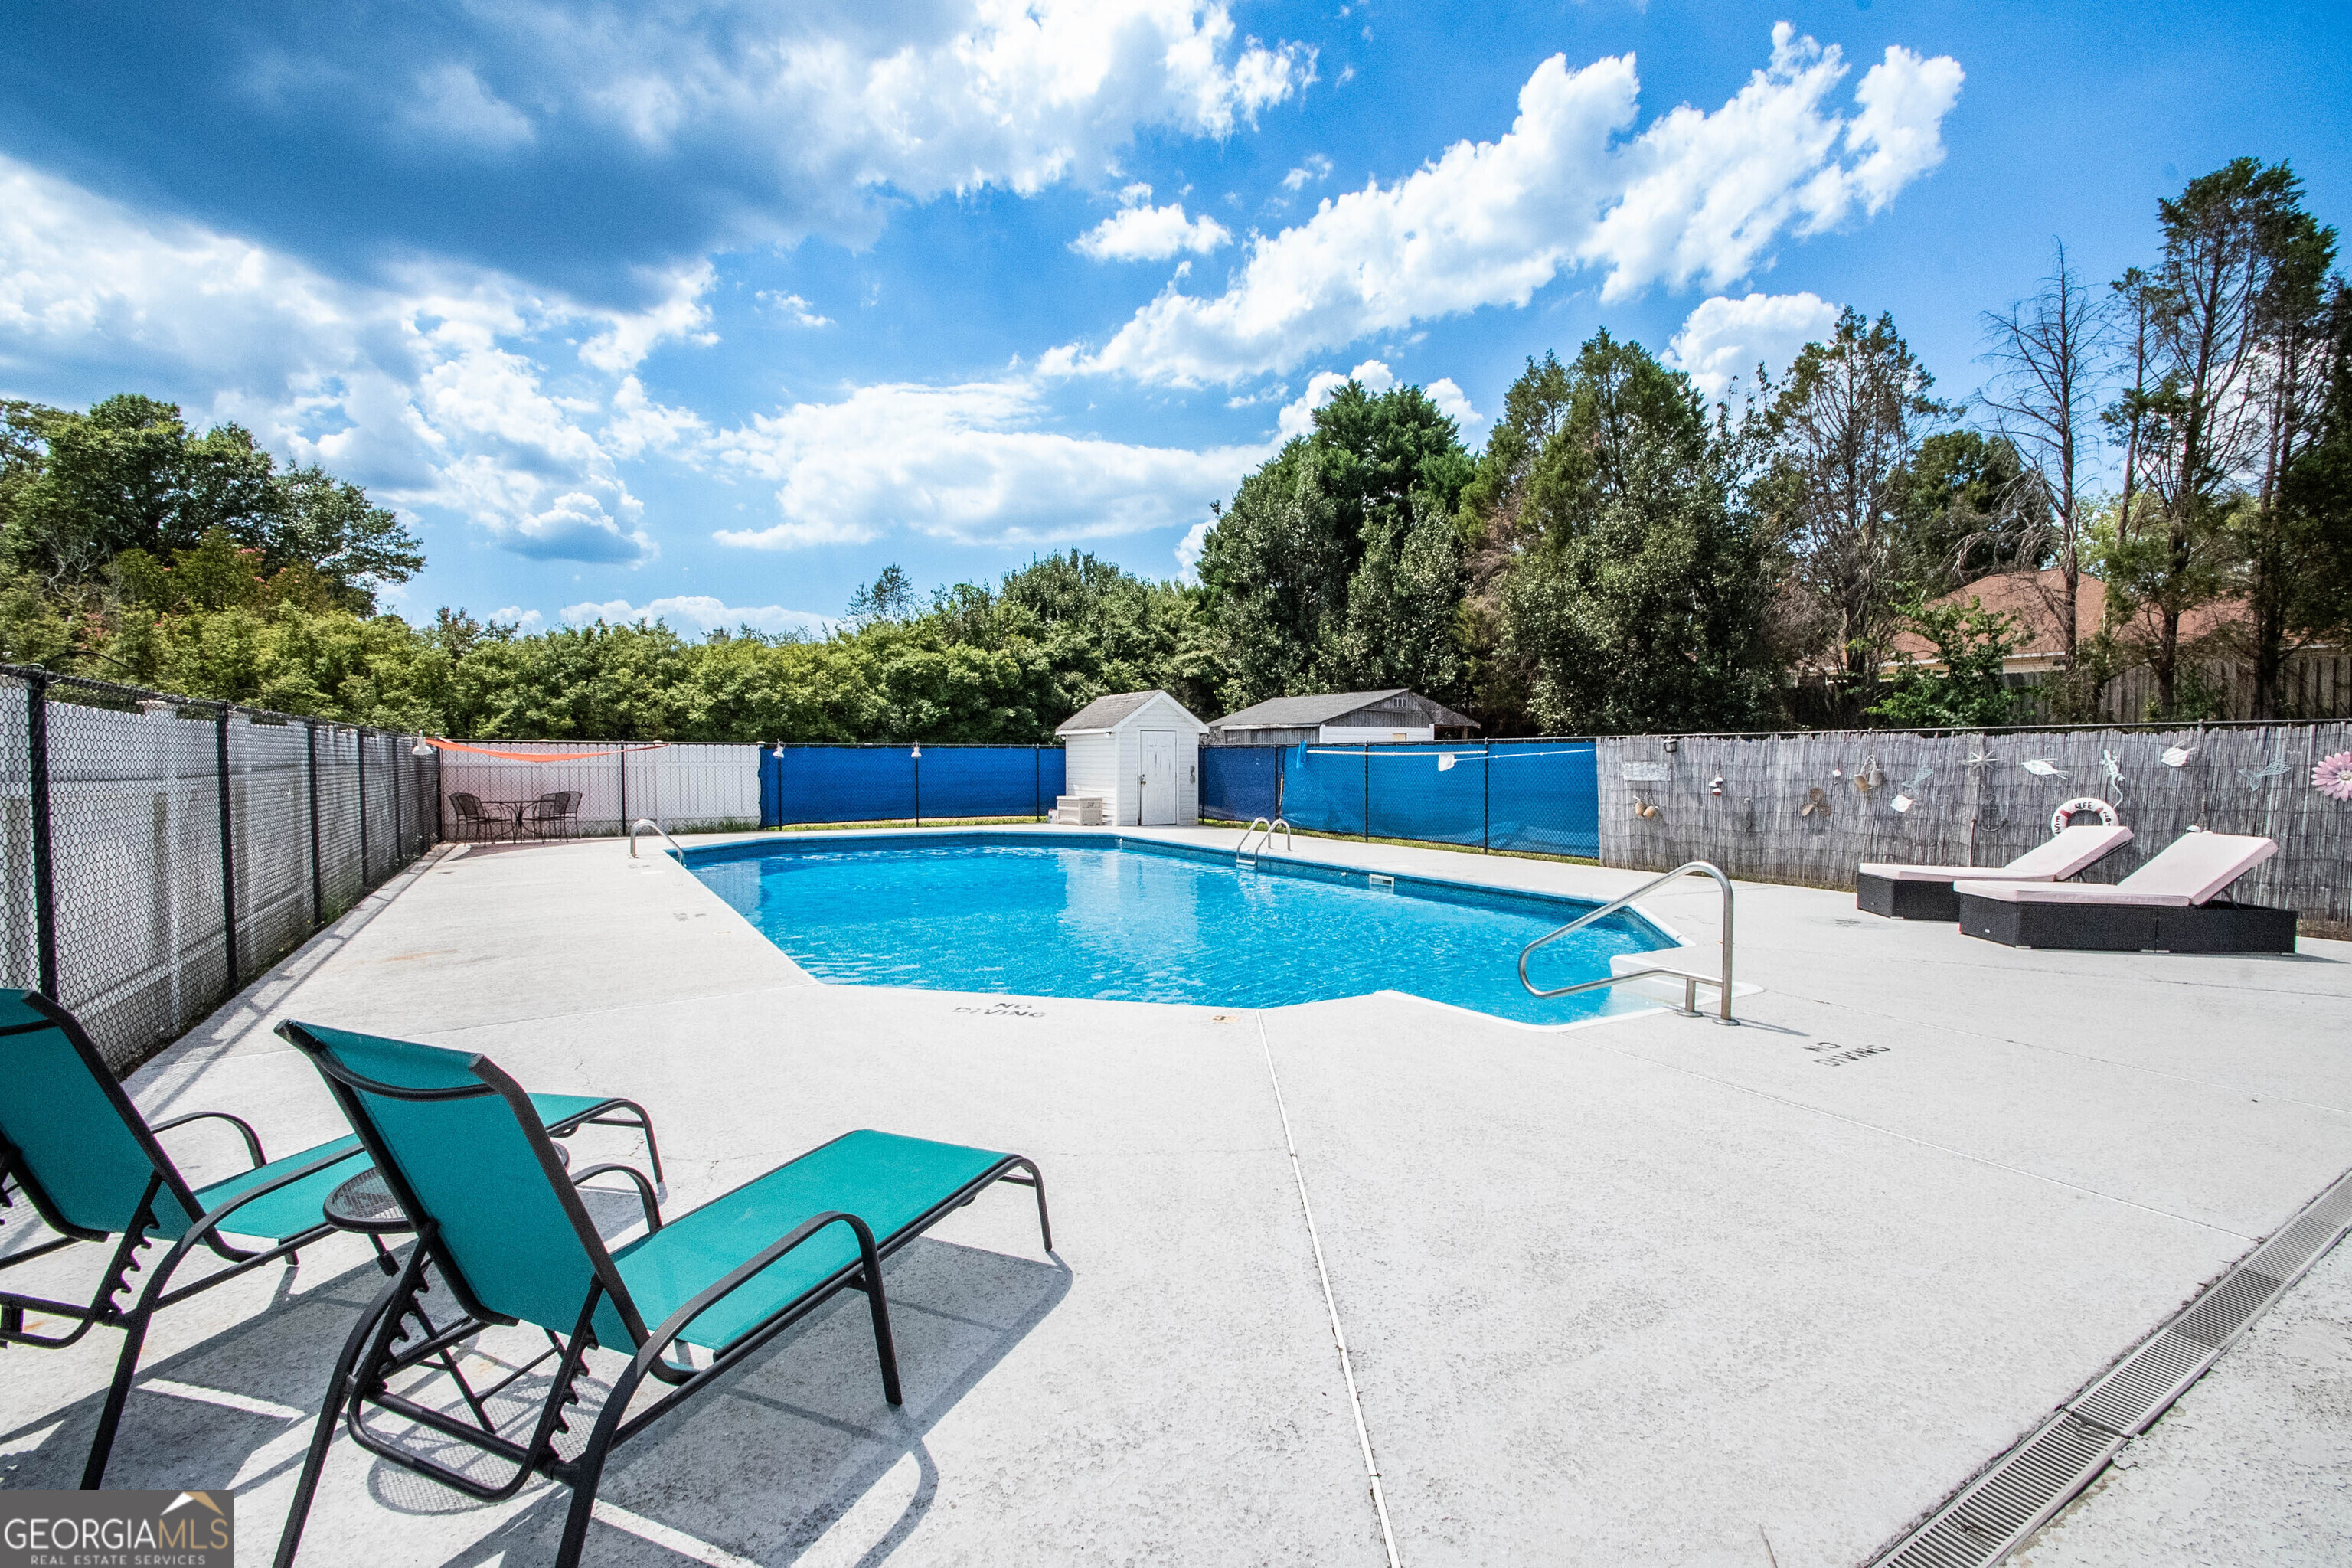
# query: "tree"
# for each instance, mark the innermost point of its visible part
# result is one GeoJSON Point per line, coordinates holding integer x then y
{"type": "Point", "coordinates": [1965, 508]}
{"type": "Point", "coordinates": [2294, 377]}
{"type": "Point", "coordinates": [2201, 424]}
{"type": "Point", "coordinates": [2046, 353]}
{"type": "Point", "coordinates": [1962, 686]}
{"type": "Point", "coordinates": [2313, 510]}
{"type": "Point", "coordinates": [1325, 571]}
{"type": "Point", "coordinates": [889, 598]}
{"type": "Point", "coordinates": [1638, 603]}
{"type": "Point", "coordinates": [1845, 425]}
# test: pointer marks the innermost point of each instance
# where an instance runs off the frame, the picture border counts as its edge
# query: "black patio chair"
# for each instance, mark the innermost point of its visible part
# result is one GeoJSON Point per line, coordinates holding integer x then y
{"type": "Point", "coordinates": [473, 823]}
{"type": "Point", "coordinates": [555, 814]}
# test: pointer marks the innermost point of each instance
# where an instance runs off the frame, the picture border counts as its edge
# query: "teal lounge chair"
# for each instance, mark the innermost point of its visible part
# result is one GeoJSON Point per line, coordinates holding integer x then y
{"type": "Point", "coordinates": [509, 1237]}
{"type": "Point", "coordinates": [75, 1148]}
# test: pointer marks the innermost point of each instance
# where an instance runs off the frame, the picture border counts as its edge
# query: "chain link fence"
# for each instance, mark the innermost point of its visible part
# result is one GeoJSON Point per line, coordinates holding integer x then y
{"type": "Point", "coordinates": [156, 852]}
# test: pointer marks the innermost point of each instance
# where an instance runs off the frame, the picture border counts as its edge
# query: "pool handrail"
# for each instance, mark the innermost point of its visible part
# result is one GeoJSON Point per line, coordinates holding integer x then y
{"type": "Point", "coordinates": [645, 823]}
{"type": "Point", "coordinates": [1691, 981]}
{"type": "Point", "coordinates": [1243, 854]}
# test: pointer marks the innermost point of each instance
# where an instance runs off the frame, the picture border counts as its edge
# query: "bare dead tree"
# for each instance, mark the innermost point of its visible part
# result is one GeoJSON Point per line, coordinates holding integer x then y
{"type": "Point", "coordinates": [2045, 396]}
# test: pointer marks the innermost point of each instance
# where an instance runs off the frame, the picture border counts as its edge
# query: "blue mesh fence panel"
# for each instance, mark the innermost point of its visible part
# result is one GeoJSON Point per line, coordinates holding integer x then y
{"type": "Point", "coordinates": [981, 781]}
{"type": "Point", "coordinates": [1323, 788]}
{"type": "Point", "coordinates": [1544, 796]}
{"type": "Point", "coordinates": [880, 784]}
{"type": "Point", "coordinates": [1436, 794]}
{"type": "Point", "coordinates": [1240, 783]}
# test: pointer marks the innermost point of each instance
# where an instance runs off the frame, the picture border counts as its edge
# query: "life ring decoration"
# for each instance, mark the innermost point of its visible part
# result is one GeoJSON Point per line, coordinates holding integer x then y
{"type": "Point", "coordinates": [2063, 818]}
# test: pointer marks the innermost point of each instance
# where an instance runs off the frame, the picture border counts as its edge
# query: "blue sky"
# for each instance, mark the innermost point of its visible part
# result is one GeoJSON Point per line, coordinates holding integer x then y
{"type": "Point", "coordinates": [714, 309]}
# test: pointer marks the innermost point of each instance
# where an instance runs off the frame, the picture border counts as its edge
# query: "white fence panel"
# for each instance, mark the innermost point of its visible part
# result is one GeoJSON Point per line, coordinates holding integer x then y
{"type": "Point", "coordinates": [685, 788]}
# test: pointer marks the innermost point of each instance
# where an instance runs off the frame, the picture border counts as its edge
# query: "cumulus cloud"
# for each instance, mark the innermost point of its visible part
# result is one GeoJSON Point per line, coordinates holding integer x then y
{"type": "Point", "coordinates": [425, 388]}
{"type": "Point", "coordinates": [1723, 340]}
{"type": "Point", "coordinates": [1455, 404]}
{"type": "Point", "coordinates": [1189, 549]}
{"type": "Point", "coordinates": [794, 309]}
{"type": "Point", "coordinates": [975, 462]}
{"type": "Point", "coordinates": [1696, 196]}
{"type": "Point", "coordinates": [1314, 171]}
{"type": "Point", "coordinates": [1145, 233]}
{"type": "Point", "coordinates": [1298, 418]}
{"type": "Point", "coordinates": [584, 146]}
{"type": "Point", "coordinates": [522, 620]}
{"type": "Point", "coordinates": [701, 613]}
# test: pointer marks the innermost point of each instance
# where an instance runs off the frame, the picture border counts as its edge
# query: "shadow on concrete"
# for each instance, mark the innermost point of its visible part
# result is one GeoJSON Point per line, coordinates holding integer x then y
{"type": "Point", "coordinates": [798, 1446]}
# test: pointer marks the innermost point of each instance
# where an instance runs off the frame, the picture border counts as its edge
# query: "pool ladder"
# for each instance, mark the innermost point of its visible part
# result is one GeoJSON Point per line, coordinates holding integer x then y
{"type": "Point", "coordinates": [647, 824]}
{"type": "Point", "coordinates": [1246, 856]}
{"type": "Point", "coordinates": [1691, 981]}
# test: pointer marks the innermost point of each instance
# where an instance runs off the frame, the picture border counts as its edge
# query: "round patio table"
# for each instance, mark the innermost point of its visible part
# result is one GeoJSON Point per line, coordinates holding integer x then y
{"type": "Point", "coordinates": [365, 1204]}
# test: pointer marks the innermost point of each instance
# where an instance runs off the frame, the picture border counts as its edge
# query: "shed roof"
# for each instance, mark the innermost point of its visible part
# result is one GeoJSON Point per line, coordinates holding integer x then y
{"type": "Point", "coordinates": [1113, 711]}
{"type": "Point", "coordinates": [1296, 712]}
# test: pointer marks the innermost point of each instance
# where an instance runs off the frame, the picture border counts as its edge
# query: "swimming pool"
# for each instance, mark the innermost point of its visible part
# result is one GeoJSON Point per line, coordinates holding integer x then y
{"type": "Point", "coordinates": [1135, 920]}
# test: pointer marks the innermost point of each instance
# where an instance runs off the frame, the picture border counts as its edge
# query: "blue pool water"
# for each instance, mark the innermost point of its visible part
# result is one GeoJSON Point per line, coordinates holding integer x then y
{"type": "Point", "coordinates": [1089, 918]}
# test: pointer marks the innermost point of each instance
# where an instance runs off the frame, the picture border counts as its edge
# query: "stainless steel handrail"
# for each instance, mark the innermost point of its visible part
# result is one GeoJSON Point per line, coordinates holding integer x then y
{"type": "Point", "coordinates": [1690, 981]}
{"type": "Point", "coordinates": [1241, 851]}
{"type": "Point", "coordinates": [644, 823]}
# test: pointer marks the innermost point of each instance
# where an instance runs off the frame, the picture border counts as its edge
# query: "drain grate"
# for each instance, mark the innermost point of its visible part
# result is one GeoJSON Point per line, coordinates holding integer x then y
{"type": "Point", "coordinates": [2018, 1493]}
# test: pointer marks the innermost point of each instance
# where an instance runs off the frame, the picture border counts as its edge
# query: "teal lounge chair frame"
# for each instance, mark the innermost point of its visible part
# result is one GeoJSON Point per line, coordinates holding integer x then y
{"type": "Point", "coordinates": [79, 1152]}
{"type": "Point", "coordinates": [505, 1231]}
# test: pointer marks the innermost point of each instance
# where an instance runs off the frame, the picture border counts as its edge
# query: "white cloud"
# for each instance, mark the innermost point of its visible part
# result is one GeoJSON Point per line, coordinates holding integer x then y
{"type": "Point", "coordinates": [915, 102]}
{"type": "Point", "coordinates": [1151, 234]}
{"type": "Point", "coordinates": [700, 612]}
{"type": "Point", "coordinates": [975, 463]}
{"type": "Point", "coordinates": [451, 105]}
{"type": "Point", "coordinates": [1696, 196]}
{"type": "Point", "coordinates": [423, 388]}
{"type": "Point", "coordinates": [1189, 549]}
{"type": "Point", "coordinates": [1316, 169]}
{"type": "Point", "coordinates": [800, 312]}
{"type": "Point", "coordinates": [522, 620]}
{"type": "Point", "coordinates": [1722, 341]}
{"type": "Point", "coordinates": [1455, 404]}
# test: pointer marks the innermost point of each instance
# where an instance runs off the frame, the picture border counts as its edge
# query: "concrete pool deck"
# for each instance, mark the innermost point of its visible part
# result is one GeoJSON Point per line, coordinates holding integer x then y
{"type": "Point", "coordinates": [1656, 1291]}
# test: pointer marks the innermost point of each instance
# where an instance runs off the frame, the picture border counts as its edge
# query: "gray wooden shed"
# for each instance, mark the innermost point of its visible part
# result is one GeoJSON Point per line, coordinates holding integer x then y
{"type": "Point", "coordinates": [1392, 715]}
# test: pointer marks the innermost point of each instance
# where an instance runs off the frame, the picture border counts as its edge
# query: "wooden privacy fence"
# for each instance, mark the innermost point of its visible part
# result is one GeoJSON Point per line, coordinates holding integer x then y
{"type": "Point", "coordinates": [685, 788]}
{"type": "Point", "coordinates": [1793, 809]}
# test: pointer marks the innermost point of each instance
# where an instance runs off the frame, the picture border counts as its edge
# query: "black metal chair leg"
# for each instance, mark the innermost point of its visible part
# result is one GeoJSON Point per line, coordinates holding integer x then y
{"type": "Point", "coordinates": [126, 1367]}
{"type": "Point", "coordinates": [340, 1388]}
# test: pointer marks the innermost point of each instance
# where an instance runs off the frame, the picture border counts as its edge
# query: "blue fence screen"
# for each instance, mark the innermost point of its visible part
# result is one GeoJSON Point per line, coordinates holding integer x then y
{"type": "Point", "coordinates": [1239, 784]}
{"type": "Point", "coordinates": [892, 783]}
{"type": "Point", "coordinates": [1542, 796]}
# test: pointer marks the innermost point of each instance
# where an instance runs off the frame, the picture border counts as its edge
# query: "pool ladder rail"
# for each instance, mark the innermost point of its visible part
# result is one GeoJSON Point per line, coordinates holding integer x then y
{"type": "Point", "coordinates": [1246, 856]}
{"type": "Point", "coordinates": [1691, 979]}
{"type": "Point", "coordinates": [647, 824]}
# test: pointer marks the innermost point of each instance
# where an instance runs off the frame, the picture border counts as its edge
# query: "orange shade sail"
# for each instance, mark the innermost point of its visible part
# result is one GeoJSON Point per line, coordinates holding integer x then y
{"type": "Point", "coordinates": [537, 756]}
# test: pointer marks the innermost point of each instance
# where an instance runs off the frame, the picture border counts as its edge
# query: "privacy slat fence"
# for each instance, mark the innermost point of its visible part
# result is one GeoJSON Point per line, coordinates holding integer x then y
{"type": "Point", "coordinates": [712, 788]}
{"type": "Point", "coordinates": [1973, 802]}
{"type": "Point", "coordinates": [2314, 686]}
{"type": "Point", "coordinates": [132, 822]}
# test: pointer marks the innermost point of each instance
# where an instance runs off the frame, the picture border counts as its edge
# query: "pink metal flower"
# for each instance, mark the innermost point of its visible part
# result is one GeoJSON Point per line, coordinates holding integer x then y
{"type": "Point", "coordinates": [2333, 776]}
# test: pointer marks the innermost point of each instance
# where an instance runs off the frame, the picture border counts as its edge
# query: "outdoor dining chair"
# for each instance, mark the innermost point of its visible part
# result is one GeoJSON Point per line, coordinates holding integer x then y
{"type": "Point", "coordinates": [555, 814]}
{"type": "Point", "coordinates": [473, 823]}
{"type": "Point", "coordinates": [505, 1232]}
{"type": "Point", "coordinates": [73, 1146]}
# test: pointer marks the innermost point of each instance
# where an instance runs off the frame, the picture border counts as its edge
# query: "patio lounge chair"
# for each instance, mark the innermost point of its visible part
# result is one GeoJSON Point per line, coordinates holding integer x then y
{"type": "Point", "coordinates": [2168, 905]}
{"type": "Point", "coordinates": [1926, 892]}
{"type": "Point", "coordinates": [73, 1146]}
{"type": "Point", "coordinates": [506, 1232]}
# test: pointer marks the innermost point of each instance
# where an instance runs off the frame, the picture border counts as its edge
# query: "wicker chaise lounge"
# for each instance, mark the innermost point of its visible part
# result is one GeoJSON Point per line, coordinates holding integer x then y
{"type": "Point", "coordinates": [2168, 905]}
{"type": "Point", "coordinates": [1928, 892]}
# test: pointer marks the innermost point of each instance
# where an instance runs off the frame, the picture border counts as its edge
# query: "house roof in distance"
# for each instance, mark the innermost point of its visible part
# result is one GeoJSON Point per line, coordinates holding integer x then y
{"type": "Point", "coordinates": [1111, 712]}
{"type": "Point", "coordinates": [2036, 599]}
{"type": "Point", "coordinates": [1330, 707]}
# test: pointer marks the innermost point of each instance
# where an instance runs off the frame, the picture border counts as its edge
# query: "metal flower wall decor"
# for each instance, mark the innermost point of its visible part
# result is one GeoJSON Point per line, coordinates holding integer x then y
{"type": "Point", "coordinates": [2332, 776]}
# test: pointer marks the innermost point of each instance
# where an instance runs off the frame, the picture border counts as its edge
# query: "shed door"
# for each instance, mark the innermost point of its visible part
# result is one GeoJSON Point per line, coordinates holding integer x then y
{"type": "Point", "coordinates": [1157, 784]}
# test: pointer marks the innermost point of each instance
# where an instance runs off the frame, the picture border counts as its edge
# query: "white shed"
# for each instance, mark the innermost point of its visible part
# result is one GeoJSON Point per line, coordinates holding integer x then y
{"type": "Point", "coordinates": [1138, 752]}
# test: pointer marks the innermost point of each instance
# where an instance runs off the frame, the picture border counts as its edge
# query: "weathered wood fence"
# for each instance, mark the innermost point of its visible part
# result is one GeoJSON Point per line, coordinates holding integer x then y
{"type": "Point", "coordinates": [1794, 808]}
